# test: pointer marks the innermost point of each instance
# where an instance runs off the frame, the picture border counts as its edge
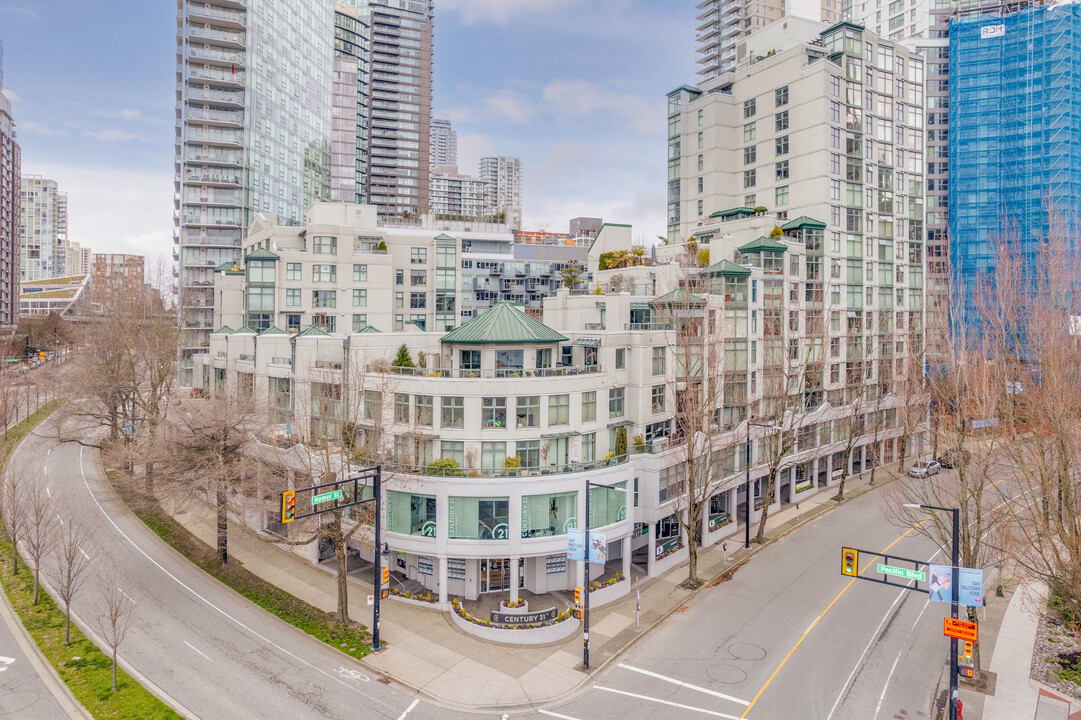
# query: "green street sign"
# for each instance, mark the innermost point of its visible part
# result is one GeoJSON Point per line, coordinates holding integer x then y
{"type": "Point", "coordinates": [325, 497]}
{"type": "Point", "coordinates": [903, 573]}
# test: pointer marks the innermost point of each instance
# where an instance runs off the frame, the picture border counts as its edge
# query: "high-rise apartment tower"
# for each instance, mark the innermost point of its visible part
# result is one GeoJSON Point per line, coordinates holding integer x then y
{"type": "Point", "coordinates": [503, 176]}
{"type": "Point", "coordinates": [444, 143]}
{"type": "Point", "coordinates": [10, 208]}
{"type": "Point", "coordinates": [44, 229]}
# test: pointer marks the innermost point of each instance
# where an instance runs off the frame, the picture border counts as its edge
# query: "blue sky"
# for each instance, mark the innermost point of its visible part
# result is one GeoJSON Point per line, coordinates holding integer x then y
{"type": "Point", "coordinates": [574, 87]}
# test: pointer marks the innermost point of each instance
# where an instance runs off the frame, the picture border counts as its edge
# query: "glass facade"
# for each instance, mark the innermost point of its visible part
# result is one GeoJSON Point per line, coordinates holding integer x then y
{"type": "Point", "coordinates": [255, 87]}
{"type": "Point", "coordinates": [1015, 150]}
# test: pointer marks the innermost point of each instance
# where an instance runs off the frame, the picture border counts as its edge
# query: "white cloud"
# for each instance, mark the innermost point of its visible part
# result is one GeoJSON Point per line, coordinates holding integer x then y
{"type": "Point", "coordinates": [110, 136]}
{"type": "Point", "coordinates": [580, 98]}
{"type": "Point", "coordinates": [29, 127]}
{"type": "Point", "coordinates": [125, 114]}
{"type": "Point", "coordinates": [20, 11]}
{"type": "Point", "coordinates": [115, 210]}
{"type": "Point", "coordinates": [504, 105]}
{"type": "Point", "coordinates": [471, 148]}
{"type": "Point", "coordinates": [501, 12]}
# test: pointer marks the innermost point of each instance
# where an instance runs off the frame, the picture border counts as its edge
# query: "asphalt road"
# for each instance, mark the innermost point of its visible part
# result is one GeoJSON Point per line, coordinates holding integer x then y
{"type": "Point", "coordinates": [23, 694]}
{"type": "Point", "coordinates": [786, 637]}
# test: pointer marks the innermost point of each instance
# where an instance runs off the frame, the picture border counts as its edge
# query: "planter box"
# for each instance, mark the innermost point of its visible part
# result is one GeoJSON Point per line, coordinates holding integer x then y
{"type": "Point", "coordinates": [610, 593]}
{"type": "Point", "coordinates": [535, 636]}
{"type": "Point", "coordinates": [520, 610]}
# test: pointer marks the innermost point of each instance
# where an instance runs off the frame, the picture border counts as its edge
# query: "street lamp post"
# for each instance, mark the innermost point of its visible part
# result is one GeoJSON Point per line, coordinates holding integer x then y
{"type": "Point", "coordinates": [954, 600]}
{"type": "Point", "coordinates": [585, 560]}
{"type": "Point", "coordinates": [750, 498]}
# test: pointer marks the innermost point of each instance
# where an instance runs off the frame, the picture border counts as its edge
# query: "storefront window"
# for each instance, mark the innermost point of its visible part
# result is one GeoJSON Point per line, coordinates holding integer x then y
{"type": "Point", "coordinates": [470, 518]}
{"type": "Point", "coordinates": [607, 506]}
{"type": "Point", "coordinates": [546, 515]}
{"type": "Point", "coordinates": [411, 514]}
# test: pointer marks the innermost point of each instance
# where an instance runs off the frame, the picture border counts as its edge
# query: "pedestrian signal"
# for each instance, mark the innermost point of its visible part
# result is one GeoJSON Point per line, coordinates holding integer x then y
{"type": "Point", "coordinates": [850, 561]}
{"type": "Point", "coordinates": [289, 499]}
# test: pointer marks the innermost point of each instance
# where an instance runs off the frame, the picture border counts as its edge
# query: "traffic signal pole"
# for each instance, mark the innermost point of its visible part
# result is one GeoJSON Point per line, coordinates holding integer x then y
{"type": "Point", "coordinates": [377, 581]}
{"type": "Point", "coordinates": [585, 590]}
{"type": "Point", "coordinates": [954, 605]}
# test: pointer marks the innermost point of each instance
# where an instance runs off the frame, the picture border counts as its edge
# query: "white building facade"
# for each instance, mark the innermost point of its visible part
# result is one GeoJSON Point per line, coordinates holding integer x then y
{"type": "Point", "coordinates": [503, 176]}
{"type": "Point", "coordinates": [44, 229]}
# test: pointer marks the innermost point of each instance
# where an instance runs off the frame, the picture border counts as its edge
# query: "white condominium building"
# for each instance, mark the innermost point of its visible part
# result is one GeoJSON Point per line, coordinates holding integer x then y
{"type": "Point", "coordinates": [444, 143]}
{"type": "Point", "coordinates": [488, 443]}
{"type": "Point", "coordinates": [504, 178]}
{"type": "Point", "coordinates": [44, 229]}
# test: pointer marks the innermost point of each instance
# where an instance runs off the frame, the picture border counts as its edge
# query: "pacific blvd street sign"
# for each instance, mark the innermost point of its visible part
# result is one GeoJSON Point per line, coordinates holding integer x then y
{"type": "Point", "coordinates": [903, 573]}
{"type": "Point", "coordinates": [326, 497]}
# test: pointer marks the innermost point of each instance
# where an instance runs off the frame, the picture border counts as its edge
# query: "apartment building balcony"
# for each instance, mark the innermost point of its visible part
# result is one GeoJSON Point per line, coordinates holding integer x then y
{"type": "Point", "coordinates": [217, 97]}
{"type": "Point", "coordinates": [234, 40]}
{"type": "Point", "coordinates": [491, 374]}
{"type": "Point", "coordinates": [223, 179]}
{"type": "Point", "coordinates": [216, 117]}
{"type": "Point", "coordinates": [228, 138]}
{"type": "Point", "coordinates": [228, 19]}
{"type": "Point", "coordinates": [218, 77]}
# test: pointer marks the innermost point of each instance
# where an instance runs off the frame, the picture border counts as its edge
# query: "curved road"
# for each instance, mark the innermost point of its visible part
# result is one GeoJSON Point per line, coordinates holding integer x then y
{"type": "Point", "coordinates": [786, 637]}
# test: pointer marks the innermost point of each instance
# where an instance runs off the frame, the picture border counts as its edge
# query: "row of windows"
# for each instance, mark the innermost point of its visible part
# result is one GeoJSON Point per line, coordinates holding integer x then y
{"type": "Point", "coordinates": [420, 409]}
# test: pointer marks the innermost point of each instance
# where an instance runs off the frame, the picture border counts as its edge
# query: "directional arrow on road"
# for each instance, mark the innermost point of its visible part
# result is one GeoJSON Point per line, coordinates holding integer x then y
{"type": "Point", "coordinates": [6, 661]}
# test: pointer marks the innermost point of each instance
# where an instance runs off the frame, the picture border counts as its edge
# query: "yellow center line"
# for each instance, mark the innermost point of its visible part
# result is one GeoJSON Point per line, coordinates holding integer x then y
{"type": "Point", "coordinates": [843, 591]}
{"type": "Point", "coordinates": [822, 615]}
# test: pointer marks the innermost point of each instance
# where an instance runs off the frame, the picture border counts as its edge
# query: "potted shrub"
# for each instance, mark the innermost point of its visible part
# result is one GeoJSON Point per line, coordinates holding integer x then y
{"type": "Point", "coordinates": [621, 443]}
{"type": "Point", "coordinates": [639, 443]}
{"type": "Point", "coordinates": [513, 464]}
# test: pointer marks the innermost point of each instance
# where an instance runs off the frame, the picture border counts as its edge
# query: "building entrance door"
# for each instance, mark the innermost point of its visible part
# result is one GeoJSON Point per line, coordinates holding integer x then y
{"type": "Point", "coordinates": [495, 574]}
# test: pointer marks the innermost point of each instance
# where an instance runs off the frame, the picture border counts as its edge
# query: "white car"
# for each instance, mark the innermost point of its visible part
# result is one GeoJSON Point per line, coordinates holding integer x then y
{"type": "Point", "coordinates": [925, 468]}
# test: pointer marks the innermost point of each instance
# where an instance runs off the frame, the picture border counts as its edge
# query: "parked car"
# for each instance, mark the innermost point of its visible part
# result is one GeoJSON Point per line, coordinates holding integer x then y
{"type": "Point", "coordinates": [952, 458]}
{"type": "Point", "coordinates": [925, 468]}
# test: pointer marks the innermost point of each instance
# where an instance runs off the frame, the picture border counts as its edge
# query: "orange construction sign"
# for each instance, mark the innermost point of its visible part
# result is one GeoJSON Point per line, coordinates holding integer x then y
{"type": "Point", "coordinates": [959, 629]}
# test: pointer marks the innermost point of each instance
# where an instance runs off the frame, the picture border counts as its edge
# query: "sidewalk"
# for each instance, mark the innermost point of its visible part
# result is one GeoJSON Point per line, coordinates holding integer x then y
{"type": "Point", "coordinates": [1016, 694]}
{"type": "Point", "coordinates": [425, 652]}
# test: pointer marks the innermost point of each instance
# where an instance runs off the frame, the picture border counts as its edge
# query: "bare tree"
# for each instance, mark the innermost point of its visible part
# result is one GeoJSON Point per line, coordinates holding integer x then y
{"type": "Point", "coordinates": [41, 531]}
{"type": "Point", "coordinates": [14, 507]}
{"type": "Point", "coordinates": [71, 567]}
{"type": "Point", "coordinates": [114, 611]}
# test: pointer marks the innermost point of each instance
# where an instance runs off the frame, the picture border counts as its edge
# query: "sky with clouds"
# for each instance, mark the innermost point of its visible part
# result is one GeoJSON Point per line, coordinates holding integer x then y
{"type": "Point", "coordinates": [573, 87]}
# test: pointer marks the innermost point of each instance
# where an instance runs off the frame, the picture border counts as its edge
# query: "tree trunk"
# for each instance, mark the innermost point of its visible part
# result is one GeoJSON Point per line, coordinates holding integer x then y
{"type": "Point", "coordinates": [15, 559]}
{"type": "Point", "coordinates": [37, 582]}
{"type": "Point", "coordinates": [902, 446]}
{"type": "Point", "coordinates": [114, 669]}
{"type": "Point", "coordinates": [223, 526]}
{"type": "Point", "coordinates": [874, 460]}
{"type": "Point", "coordinates": [150, 479]}
{"type": "Point", "coordinates": [767, 497]}
{"type": "Point", "coordinates": [343, 585]}
{"type": "Point", "coordinates": [67, 624]}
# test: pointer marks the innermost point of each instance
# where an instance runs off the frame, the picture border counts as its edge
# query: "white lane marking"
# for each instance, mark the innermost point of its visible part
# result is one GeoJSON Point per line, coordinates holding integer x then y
{"type": "Point", "coordinates": [197, 650]}
{"type": "Point", "coordinates": [505, 716]}
{"type": "Point", "coordinates": [44, 470]}
{"type": "Point", "coordinates": [684, 684]}
{"type": "Point", "coordinates": [60, 518]}
{"type": "Point", "coordinates": [48, 492]}
{"type": "Point", "coordinates": [7, 661]}
{"type": "Point", "coordinates": [352, 674]}
{"type": "Point", "coordinates": [182, 584]}
{"type": "Point", "coordinates": [411, 706]}
{"type": "Point", "coordinates": [84, 553]}
{"type": "Point", "coordinates": [48, 452]}
{"type": "Point", "coordinates": [549, 713]}
{"type": "Point", "coordinates": [878, 707]}
{"type": "Point", "coordinates": [127, 596]}
{"type": "Point", "coordinates": [666, 702]}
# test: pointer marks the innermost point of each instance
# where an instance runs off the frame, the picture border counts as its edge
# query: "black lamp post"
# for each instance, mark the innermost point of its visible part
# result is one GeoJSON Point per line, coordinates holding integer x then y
{"type": "Point", "coordinates": [954, 600]}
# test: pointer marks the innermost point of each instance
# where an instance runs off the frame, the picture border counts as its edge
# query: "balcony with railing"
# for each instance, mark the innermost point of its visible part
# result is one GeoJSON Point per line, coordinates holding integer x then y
{"type": "Point", "coordinates": [235, 39]}
{"type": "Point", "coordinates": [223, 97]}
{"type": "Point", "coordinates": [496, 374]}
{"type": "Point", "coordinates": [229, 18]}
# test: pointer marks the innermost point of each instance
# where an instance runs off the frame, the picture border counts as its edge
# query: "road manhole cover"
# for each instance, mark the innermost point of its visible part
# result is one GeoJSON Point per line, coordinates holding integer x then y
{"type": "Point", "coordinates": [727, 674]}
{"type": "Point", "coordinates": [746, 651]}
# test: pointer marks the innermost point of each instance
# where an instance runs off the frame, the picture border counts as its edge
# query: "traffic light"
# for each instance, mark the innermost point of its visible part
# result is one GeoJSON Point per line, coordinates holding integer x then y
{"type": "Point", "coordinates": [386, 576]}
{"type": "Point", "coordinates": [968, 650]}
{"type": "Point", "coordinates": [289, 500]}
{"type": "Point", "coordinates": [850, 561]}
{"type": "Point", "coordinates": [578, 595]}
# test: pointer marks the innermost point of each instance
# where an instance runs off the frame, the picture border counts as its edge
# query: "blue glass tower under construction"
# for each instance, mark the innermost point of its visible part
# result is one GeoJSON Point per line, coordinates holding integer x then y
{"type": "Point", "coordinates": [1015, 139]}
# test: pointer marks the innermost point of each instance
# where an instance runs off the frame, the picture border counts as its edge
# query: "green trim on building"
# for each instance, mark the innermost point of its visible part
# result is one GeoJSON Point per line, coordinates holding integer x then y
{"type": "Point", "coordinates": [503, 324]}
{"type": "Point", "coordinates": [763, 244]}
{"type": "Point", "coordinates": [802, 222]}
{"type": "Point", "coordinates": [726, 268]}
{"type": "Point", "coordinates": [261, 254]}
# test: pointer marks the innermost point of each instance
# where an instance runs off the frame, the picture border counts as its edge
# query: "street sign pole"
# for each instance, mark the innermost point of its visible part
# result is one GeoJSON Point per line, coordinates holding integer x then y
{"type": "Point", "coordinates": [953, 614]}
{"type": "Point", "coordinates": [377, 581]}
{"type": "Point", "coordinates": [585, 613]}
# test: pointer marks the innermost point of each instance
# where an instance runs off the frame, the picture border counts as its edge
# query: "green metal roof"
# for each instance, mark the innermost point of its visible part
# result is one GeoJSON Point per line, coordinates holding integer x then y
{"type": "Point", "coordinates": [368, 329]}
{"type": "Point", "coordinates": [223, 330]}
{"type": "Point", "coordinates": [688, 88]}
{"type": "Point", "coordinates": [228, 267]}
{"type": "Point", "coordinates": [678, 298]}
{"type": "Point", "coordinates": [261, 254]}
{"type": "Point", "coordinates": [273, 331]}
{"type": "Point", "coordinates": [837, 26]}
{"type": "Point", "coordinates": [732, 212]}
{"type": "Point", "coordinates": [503, 324]}
{"type": "Point", "coordinates": [311, 331]}
{"type": "Point", "coordinates": [443, 236]}
{"type": "Point", "coordinates": [803, 222]}
{"type": "Point", "coordinates": [245, 330]}
{"type": "Point", "coordinates": [726, 268]}
{"type": "Point", "coordinates": [763, 243]}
